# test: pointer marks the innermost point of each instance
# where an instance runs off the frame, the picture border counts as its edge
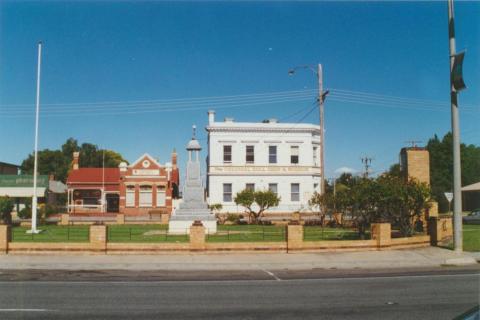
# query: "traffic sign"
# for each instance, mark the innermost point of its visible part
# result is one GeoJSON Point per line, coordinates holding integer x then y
{"type": "Point", "coordinates": [449, 196]}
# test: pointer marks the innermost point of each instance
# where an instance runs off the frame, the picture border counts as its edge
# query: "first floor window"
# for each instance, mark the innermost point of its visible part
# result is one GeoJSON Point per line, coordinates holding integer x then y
{"type": "Point", "coordinates": [295, 192]}
{"type": "Point", "coordinates": [273, 187]}
{"type": "Point", "coordinates": [145, 196]}
{"type": "Point", "coordinates": [130, 196]}
{"type": "Point", "coordinates": [227, 154]}
{"type": "Point", "coordinates": [294, 154]}
{"type": "Point", "coordinates": [161, 199]}
{"type": "Point", "coordinates": [250, 154]}
{"type": "Point", "coordinates": [250, 186]}
{"type": "Point", "coordinates": [272, 154]}
{"type": "Point", "coordinates": [227, 192]}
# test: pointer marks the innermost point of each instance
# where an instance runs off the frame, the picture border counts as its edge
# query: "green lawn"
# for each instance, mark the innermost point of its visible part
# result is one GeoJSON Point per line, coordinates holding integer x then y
{"type": "Point", "coordinates": [247, 233]}
{"type": "Point", "coordinates": [52, 233]}
{"type": "Point", "coordinates": [471, 237]}
{"type": "Point", "coordinates": [143, 233]}
{"type": "Point", "coordinates": [315, 233]}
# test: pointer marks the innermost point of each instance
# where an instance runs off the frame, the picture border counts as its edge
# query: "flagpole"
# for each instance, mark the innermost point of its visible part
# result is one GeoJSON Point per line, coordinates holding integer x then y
{"type": "Point", "coordinates": [35, 165]}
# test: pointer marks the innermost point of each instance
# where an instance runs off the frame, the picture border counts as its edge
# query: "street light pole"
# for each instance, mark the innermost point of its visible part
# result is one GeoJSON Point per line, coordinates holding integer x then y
{"type": "Point", "coordinates": [457, 183]}
{"type": "Point", "coordinates": [35, 165]}
{"type": "Point", "coordinates": [321, 99]}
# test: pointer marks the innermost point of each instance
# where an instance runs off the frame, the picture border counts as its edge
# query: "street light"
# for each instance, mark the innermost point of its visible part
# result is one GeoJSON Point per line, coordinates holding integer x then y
{"type": "Point", "coordinates": [320, 100]}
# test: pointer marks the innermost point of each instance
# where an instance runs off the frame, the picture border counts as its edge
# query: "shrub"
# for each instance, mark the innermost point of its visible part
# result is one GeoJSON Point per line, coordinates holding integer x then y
{"type": "Point", "coordinates": [233, 218]}
{"type": "Point", "coordinates": [25, 213]}
{"type": "Point", "coordinates": [6, 207]}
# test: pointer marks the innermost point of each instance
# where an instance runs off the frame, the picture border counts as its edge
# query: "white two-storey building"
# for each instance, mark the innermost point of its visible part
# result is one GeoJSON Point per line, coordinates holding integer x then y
{"type": "Point", "coordinates": [282, 157]}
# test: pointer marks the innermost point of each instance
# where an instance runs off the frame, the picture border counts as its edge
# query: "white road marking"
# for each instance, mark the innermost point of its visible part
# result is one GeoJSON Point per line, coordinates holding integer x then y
{"type": "Point", "coordinates": [271, 274]}
{"type": "Point", "coordinates": [24, 310]}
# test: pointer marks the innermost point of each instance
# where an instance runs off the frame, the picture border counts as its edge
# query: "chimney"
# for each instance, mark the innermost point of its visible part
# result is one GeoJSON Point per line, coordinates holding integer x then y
{"type": "Point", "coordinates": [174, 158]}
{"type": "Point", "coordinates": [75, 160]}
{"type": "Point", "coordinates": [211, 116]}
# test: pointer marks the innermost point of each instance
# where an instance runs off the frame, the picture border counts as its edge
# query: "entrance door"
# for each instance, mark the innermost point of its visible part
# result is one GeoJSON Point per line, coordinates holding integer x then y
{"type": "Point", "coordinates": [113, 202]}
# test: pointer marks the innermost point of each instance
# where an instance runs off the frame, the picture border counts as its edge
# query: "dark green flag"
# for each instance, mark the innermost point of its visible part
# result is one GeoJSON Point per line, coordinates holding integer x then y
{"type": "Point", "coordinates": [457, 72]}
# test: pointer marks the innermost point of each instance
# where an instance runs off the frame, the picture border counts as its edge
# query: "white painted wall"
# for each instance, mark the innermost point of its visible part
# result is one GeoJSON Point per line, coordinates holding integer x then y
{"type": "Point", "coordinates": [261, 172]}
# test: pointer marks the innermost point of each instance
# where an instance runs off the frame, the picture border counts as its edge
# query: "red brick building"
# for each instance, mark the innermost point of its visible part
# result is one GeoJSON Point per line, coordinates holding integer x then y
{"type": "Point", "coordinates": [136, 189]}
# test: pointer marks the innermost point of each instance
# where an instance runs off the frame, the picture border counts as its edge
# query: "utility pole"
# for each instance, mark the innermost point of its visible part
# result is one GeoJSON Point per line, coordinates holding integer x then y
{"type": "Point", "coordinates": [457, 183]}
{"type": "Point", "coordinates": [35, 165]}
{"type": "Point", "coordinates": [367, 162]}
{"type": "Point", "coordinates": [321, 100]}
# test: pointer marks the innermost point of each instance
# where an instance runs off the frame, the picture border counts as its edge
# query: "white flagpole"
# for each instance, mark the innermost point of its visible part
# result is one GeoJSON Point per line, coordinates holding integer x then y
{"type": "Point", "coordinates": [35, 166]}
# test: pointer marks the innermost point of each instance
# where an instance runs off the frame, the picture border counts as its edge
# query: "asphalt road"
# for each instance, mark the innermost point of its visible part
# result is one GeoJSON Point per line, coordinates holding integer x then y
{"type": "Point", "coordinates": [387, 296]}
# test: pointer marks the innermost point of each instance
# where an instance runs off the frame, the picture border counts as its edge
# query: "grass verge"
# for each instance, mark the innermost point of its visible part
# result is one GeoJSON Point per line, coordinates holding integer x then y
{"type": "Point", "coordinates": [52, 233]}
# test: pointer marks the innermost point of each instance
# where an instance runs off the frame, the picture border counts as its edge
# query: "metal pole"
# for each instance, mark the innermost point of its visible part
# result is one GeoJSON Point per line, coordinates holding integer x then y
{"type": "Point", "coordinates": [35, 165]}
{"type": "Point", "coordinates": [322, 144]}
{"type": "Point", "coordinates": [457, 178]}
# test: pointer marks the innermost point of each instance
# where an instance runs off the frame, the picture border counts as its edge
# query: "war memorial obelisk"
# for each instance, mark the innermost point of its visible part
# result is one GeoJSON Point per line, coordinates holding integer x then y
{"type": "Point", "coordinates": [193, 206]}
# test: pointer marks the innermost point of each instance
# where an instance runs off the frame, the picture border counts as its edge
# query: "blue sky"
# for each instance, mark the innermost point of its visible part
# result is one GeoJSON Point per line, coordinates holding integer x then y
{"type": "Point", "coordinates": [140, 51]}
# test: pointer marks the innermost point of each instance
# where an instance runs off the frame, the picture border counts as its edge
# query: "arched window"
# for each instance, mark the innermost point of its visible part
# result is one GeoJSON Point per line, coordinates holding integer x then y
{"type": "Point", "coordinates": [145, 198]}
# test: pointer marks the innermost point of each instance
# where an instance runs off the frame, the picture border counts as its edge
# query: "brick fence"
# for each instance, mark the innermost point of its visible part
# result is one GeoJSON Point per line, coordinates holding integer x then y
{"type": "Point", "coordinates": [98, 243]}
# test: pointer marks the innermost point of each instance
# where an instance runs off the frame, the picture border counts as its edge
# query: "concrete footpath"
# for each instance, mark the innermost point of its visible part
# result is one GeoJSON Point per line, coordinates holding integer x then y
{"type": "Point", "coordinates": [412, 258]}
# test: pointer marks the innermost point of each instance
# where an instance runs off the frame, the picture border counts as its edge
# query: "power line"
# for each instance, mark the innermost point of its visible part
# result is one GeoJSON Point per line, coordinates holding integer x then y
{"type": "Point", "coordinates": [220, 102]}
{"type": "Point", "coordinates": [139, 111]}
{"type": "Point", "coordinates": [389, 97]}
{"type": "Point", "coordinates": [176, 100]}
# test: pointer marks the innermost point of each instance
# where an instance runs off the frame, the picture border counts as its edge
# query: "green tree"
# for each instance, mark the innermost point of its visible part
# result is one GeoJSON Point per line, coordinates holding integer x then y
{"type": "Point", "coordinates": [395, 170]}
{"type": "Point", "coordinates": [402, 202]}
{"type": "Point", "coordinates": [256, 202]}
{"type": "Point", "coordinates": [6, 207]}
{"type": "Point", "coordinates": [58, 162]}
{"type": "Point", "coordinates": [441, 167]}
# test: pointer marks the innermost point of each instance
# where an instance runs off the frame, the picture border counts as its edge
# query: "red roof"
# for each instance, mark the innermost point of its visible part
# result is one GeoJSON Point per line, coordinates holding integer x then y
{"type": "Point", "coordinates": [94, 175]}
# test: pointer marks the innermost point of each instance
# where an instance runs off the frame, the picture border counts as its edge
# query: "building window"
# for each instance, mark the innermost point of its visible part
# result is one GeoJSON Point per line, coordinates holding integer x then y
{"type": "Point", "coordinates": [295, 192]}
{"type": "Point", "coordinates": [161, 200]}
{"type": "Point", "coordinates": [272, 154]}
{"type": "Point", "coordinates": [315, 186]}
{"type": "Point", "coordinates": [227, 154]}
{"type": "Point", "coordinates": [227, 192]}
{"type": "Point", "coordinates": [130, 196]}
{"type": "Point", "coordinates": [250, 154]}
{"type": "Point", "coordinates": [294, 154]}
{"type": "Point", "coordinates": [273, 187]}
{"type": "Point", "coordinates": [145, 198]}
{"type": "Point", "coordinates": [250, 186]}
{"type": "Point", "coordinates": [315, 156]}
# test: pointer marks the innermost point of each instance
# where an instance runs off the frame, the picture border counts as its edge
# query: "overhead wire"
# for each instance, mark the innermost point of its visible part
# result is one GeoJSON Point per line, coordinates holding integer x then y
{"type": "Point", "coordinates": [224, 102]}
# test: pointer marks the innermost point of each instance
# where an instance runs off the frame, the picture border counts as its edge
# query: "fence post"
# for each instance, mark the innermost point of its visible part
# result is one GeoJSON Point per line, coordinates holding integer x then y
{"type": "Point", "coordinates": [98, 237]}
{"type": "Point", "coordinates": [164, 218]}
{"type": "Point", "coordinates": [294, 236]}
{"type": "Point", "coordinates": [64, 219]}
{"type": "Point", "coordinates": [4, 238]}
{"type": "Point", "coordinates": [439, 229]}
{"type": "Point", "coordinates": [382, 232]}
{"type": "Point", "coordinates": [120, 218]}
{"type": "Point", "coordinates": [197, 236]}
